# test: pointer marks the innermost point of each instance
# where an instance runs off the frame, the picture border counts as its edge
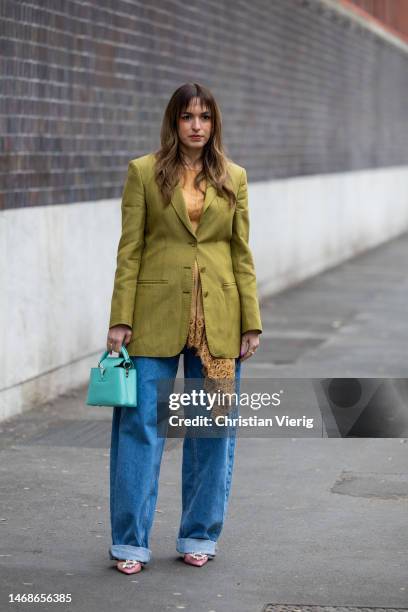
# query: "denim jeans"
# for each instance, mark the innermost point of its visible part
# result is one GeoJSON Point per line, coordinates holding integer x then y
{"type": "Point", "coordinates": [135, 458]}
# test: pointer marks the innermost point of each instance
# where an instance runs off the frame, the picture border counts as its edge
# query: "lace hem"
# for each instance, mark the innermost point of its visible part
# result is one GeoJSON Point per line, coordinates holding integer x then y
{"type": "Point", "coordinates": [219, 372]}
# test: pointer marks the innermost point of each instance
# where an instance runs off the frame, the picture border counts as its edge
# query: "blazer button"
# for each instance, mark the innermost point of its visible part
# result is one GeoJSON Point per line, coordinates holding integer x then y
{"type": "Point", "coordinates": [205, 293]}
{"type": "Point", "coordinates": [203, 269]}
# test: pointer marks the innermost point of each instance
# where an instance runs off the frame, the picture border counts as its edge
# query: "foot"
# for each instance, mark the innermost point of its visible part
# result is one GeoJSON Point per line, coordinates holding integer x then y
{"type": "Point", "coordinates": [129, 566]}
{"type": "Point", "coordinates": [197, 559]}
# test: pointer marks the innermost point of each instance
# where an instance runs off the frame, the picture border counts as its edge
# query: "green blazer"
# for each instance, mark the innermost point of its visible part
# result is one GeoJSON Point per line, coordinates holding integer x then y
{"type": "Point", "coordinates": [154, 275]}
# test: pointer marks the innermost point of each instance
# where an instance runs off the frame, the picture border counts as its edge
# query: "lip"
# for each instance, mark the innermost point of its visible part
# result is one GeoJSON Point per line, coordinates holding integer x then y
{"type": "Point", "coordinates": [196, 137]}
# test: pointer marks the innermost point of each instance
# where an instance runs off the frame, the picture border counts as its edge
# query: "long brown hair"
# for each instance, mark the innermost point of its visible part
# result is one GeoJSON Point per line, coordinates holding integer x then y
{"type": "Point", "coordinates": [169, 161]}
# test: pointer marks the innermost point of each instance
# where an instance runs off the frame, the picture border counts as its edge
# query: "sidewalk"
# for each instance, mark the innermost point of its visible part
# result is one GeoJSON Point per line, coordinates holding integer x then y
{"type": "Point", "coordinates": [300, 529]}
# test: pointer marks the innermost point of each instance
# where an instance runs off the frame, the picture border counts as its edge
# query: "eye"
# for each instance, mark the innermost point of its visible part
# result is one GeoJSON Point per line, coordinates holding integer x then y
{"type": "Point", "coordinates": [188, 116]}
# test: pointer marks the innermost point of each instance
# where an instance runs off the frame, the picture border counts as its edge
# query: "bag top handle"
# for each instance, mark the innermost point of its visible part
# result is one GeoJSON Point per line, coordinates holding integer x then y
{"type": "Point", "coordinates": [122, 351]}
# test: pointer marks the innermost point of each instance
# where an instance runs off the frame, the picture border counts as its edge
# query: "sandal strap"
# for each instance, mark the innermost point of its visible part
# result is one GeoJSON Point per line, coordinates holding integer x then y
{"type": "Point", "coordinates": [130, 563]}
{"type": "Point", "coordinates": [199, 556]}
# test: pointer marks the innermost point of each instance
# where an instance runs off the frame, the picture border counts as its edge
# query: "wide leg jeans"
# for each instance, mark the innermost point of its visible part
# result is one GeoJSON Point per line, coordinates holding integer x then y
{"type": "Point", "coordinates": [135, 459]}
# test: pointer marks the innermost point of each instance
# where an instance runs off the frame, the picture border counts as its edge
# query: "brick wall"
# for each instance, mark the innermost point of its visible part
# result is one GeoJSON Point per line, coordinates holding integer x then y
{"type": "Point", "coordinates": [392, 13]}
{"type": "Point", "coordinates": [302, 88]}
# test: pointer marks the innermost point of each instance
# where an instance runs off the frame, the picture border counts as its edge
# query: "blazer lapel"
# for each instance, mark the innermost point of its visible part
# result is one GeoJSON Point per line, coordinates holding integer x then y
{"type": "Point", "coordinates": [210, 195]}
{"type": "Point", "coordinates": [180, 207]}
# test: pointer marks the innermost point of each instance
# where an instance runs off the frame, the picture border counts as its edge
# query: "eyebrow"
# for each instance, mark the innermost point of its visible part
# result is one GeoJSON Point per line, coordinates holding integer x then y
{"type": "Point", "coordinates": [190, 113]}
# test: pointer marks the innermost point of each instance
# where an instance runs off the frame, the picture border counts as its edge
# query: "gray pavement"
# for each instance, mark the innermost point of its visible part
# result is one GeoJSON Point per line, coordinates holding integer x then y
{"type": "Point", "coordinates": [310, 521]}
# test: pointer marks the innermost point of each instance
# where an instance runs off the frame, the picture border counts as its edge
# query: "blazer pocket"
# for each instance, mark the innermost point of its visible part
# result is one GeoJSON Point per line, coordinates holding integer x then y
{"type": "Point", "coordinates": [152, 282]}
{"type": "Point", "coordinates": [232, 284]}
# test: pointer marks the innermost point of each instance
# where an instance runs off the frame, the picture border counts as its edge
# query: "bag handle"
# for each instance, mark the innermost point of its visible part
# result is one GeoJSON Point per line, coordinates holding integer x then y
{"type": "Point", "coordinates": [124, 352]}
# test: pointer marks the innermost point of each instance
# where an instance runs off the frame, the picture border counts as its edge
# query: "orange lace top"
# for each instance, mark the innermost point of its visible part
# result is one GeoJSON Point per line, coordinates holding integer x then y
{"type": "Point", "coordinates": [214, 368]}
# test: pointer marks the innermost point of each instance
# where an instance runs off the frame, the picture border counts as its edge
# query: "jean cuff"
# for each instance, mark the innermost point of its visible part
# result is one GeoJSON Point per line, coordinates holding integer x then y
{"type": "Point", "coordinates": [122, 552]}
{"type": "Point", "coordinates": [191, 545]}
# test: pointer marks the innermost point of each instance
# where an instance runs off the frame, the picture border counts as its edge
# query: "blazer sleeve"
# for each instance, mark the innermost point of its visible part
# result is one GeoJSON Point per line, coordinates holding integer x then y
{"type": "Point", "coordinates": [130, 248]}
{"type": "Point", "coordinates": [242, 262]}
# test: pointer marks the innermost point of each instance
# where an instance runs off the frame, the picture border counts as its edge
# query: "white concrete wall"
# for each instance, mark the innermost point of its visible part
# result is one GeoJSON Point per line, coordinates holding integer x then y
{"type": "Point", "coordinates": [301, 226]}
{"type": "Point", "coordinates": [57, 266]}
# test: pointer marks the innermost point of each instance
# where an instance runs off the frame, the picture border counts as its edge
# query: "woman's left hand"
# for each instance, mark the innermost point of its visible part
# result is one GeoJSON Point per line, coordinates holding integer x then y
{"type": "Point", "coordinates": [249, 344]}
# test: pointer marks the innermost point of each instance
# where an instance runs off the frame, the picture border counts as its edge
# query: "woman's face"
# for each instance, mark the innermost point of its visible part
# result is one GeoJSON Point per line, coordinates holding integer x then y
{"type": "Point", "coordinates": [194, 121]}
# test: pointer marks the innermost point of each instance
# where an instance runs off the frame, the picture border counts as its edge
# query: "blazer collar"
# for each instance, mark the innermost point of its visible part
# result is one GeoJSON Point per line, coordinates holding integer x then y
{"type": "Point", "coordinates": [180, 207]}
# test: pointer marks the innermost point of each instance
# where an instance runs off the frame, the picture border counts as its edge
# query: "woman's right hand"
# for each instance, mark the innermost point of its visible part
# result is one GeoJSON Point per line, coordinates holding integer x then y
{"type": "Point", "coordinates": [117, 336]}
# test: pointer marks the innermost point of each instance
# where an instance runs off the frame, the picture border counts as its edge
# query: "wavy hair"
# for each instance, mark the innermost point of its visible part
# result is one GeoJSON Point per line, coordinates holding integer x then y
{"type": "Point", "coordinates": [169, 161]}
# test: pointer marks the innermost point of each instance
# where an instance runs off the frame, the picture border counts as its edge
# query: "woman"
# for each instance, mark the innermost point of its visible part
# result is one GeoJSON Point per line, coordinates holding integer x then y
{"type": "Point", "coordinates": [184, 284]}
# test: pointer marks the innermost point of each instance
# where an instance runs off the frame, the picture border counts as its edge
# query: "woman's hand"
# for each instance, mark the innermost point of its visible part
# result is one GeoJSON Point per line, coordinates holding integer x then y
{"type": "Point", "coordinates": [118, 335]}
{"type": "Point", "coordinates": [249, 344]}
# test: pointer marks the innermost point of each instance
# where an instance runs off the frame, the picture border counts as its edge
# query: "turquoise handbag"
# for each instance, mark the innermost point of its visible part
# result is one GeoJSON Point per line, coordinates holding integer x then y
{"type": "Point", "coordinates": [113, 382]}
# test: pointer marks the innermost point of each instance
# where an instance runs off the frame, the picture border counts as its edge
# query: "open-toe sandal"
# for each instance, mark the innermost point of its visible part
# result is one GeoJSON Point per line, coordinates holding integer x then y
{"type": "Point", "coordinates": [198, 559]}
{"type": "Point", "coordinates": [130, 566]}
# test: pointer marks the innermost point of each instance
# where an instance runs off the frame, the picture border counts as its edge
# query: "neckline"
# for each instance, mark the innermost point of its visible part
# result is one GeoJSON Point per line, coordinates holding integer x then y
{"type": "Point", "coordinates": [202, 183]}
